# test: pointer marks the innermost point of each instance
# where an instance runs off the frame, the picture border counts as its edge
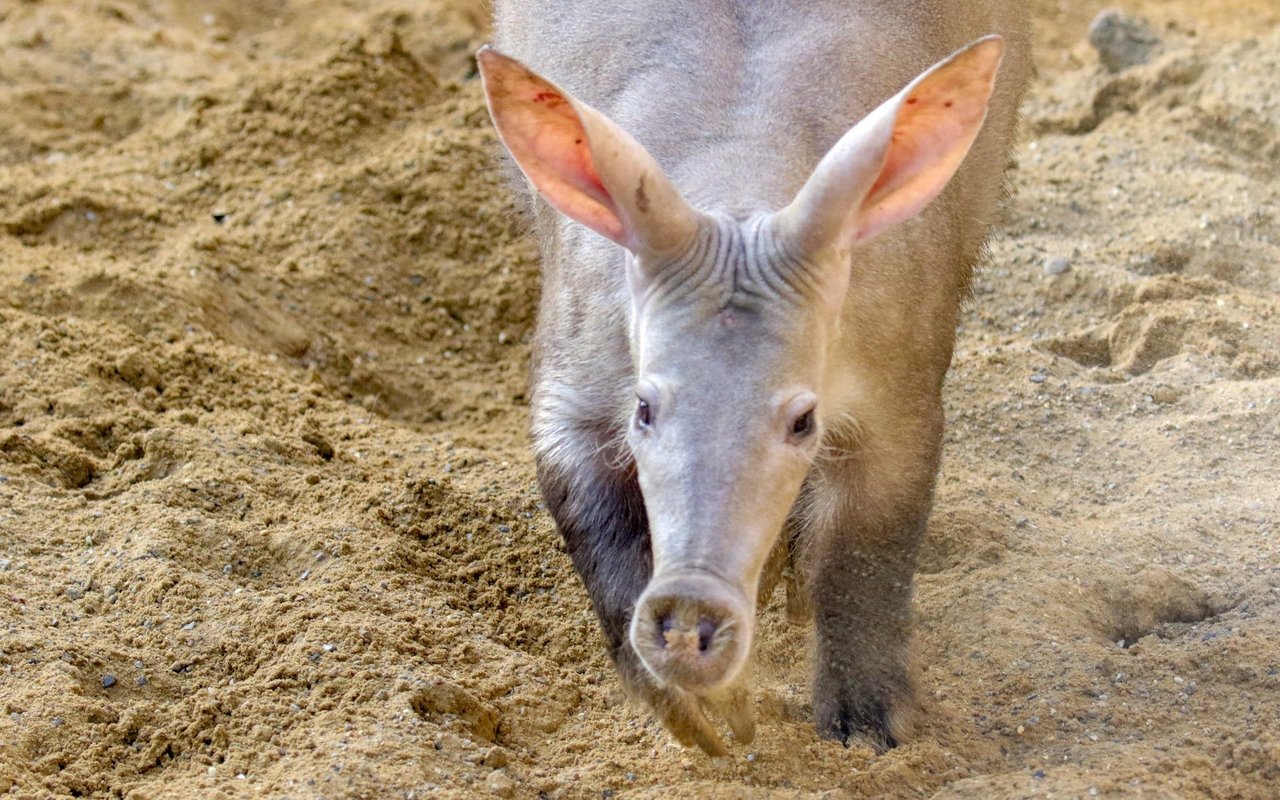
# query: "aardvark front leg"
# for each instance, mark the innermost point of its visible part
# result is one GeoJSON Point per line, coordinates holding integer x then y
{"type": "Point", "coordinates": [870, 508]}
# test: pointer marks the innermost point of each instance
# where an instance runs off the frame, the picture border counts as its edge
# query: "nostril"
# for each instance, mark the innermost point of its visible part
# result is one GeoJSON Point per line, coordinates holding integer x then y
{"type": "Point", "coordinates": [706, 631]}
{"type": "Point", "coordinates": [665, 624]}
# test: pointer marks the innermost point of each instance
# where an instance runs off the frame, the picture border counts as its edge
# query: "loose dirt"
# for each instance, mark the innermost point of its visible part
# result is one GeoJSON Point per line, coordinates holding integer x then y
{"type": "Point", "coordinates": [268, 525]}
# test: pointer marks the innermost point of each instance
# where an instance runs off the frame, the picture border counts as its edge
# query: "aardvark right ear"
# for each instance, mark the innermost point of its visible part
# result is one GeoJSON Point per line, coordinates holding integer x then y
{"type": "Point", "coordinates": [582, 163]}
{"type": "Point", "coordinates": [899, 157]}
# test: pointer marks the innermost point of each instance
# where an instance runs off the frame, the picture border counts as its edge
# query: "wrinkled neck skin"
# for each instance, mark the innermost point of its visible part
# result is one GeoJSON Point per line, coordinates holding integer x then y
{"type": "Point", "coordinates": [730, 336]}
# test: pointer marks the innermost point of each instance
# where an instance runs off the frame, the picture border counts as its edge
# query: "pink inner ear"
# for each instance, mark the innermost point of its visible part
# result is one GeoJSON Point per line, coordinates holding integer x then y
{"type": "Point", "coordinates": [934, 128]}
{"type": "Point", "coordinates": [542, 130]}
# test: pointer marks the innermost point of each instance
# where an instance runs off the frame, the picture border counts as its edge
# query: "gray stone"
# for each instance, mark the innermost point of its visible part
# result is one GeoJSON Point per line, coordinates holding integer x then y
{"type": "Point", "coordinates": [1121, 41]}
{"type": "Point", "coordinates": [1056, 265]}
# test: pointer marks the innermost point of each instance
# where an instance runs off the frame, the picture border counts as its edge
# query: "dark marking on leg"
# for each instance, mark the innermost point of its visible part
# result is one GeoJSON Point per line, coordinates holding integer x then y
{"type": "Point", "coordinates": [600, 513]}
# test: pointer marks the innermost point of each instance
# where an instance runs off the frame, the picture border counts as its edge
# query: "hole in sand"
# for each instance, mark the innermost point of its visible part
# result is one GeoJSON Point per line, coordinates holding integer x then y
{"type": "Point", "coordinates": [1087, 350]}
{"type": "Point", "coordinates": [1146, 602]}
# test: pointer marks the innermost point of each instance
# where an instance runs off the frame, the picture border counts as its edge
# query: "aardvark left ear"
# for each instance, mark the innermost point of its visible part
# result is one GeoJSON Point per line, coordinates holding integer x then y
{"type": "Point", "coordinates": [582, 163]}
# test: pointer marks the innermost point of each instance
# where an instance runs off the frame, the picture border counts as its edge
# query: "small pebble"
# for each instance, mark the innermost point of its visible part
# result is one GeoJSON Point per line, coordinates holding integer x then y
{"type": "Point", "coordinates": [75, 592]}
{"type": "Point", "coordinates": [1038, 774]}
{"type": "Point", "coordinates": [1056, 266]}
{"type": "Point", "coordinates": [141, 680]}
{"type": "Point", "coordinates": [1037, 378]}
{"type": "Point", "coordinates": [495, 758]}
{"type": "Point", "coordinates": [500, 784]}
{"type": "Point", "coordinates": [329, 647]}
{"type": "Point", "coordinates": [190, 626]}
{"type": "Point", "coordinates": [108, 681]}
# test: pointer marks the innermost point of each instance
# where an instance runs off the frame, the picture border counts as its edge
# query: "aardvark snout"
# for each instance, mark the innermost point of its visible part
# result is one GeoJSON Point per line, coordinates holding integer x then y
{"type": "Point", "coordinates": [692, 629]}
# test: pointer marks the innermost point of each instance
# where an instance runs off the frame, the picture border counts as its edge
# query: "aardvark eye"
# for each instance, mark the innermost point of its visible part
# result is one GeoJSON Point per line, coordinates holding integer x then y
{"type": "Point", "coordinates": [803, 425]}
{"type": "Point", "coordinates": [643, 414]}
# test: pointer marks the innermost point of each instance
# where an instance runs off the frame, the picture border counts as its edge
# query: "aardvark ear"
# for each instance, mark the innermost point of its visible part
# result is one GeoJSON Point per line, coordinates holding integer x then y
{"type": "Point", "coordinates": [899, 157]}
{"type": "Point", "coordinates": [582, 163]}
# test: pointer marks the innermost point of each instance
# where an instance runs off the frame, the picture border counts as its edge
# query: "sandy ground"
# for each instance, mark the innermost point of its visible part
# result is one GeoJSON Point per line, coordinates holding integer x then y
{"type": "Point", "coordinates": [267, 519]}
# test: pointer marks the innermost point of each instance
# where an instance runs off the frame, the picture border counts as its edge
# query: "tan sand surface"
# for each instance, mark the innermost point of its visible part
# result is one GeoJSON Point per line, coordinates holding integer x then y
{"type": "Point", "coordinates": [268, 525]}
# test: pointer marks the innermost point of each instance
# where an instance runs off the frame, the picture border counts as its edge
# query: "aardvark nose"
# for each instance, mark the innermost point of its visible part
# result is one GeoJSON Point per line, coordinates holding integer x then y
{"type": "Point", "coordinates": [691, 629]}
